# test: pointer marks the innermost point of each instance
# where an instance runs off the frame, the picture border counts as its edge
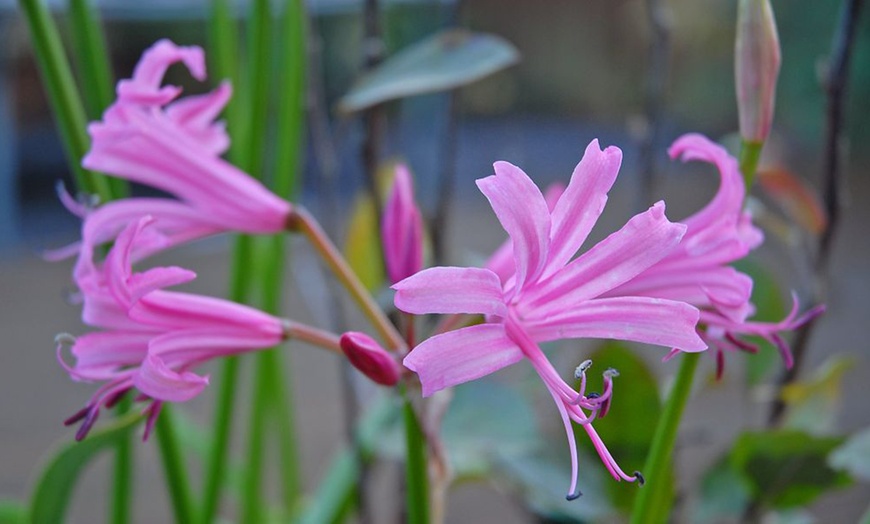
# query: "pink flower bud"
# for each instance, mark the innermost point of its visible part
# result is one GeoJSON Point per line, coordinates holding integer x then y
{"type": "Point", "coordinates": [370, 358]}
{"type": "Point", "coordinates": [756, 68]}
{"type": "Point", "coordinates": [402, 229]}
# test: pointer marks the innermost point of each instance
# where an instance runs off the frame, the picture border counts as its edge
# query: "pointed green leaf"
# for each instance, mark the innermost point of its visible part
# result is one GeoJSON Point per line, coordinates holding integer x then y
{"type": "Point", "coordinates": [854, 456]}
{"type": "Point", "coordinates": [444, 61]}
{"type": "Point", "coordinates": [786, 468]}
{"type": "Point", "coordinates": [53, 490]}
{"type": "Point", "coordinates": [13, 512]}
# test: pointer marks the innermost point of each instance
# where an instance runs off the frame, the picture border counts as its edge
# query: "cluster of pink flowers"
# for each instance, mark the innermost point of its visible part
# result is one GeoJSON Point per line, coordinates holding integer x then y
{"type": "Point", "coordinates": [653, 281]}
{"type": "Point", "coordinates": [150, 337]}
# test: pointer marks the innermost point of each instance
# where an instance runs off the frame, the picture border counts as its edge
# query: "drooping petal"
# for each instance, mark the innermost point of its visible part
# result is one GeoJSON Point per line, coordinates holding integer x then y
{"type": "Point", "coordinates": [644, 240]}
{"type": "Point", "coordinates": [582, 202]}
{"type": "Point", "coordinates": [639, 319]}
{"type": "Point", "coordinates": [451, 290]}
{"type": "Point", "coordinates": [523, 213]}
{"type": "Point", "coordinates": [197, 114]}
{"type": "Point", "coordinates": [158, 381]}
{"type": "Point", "coordinates": [456, 357]}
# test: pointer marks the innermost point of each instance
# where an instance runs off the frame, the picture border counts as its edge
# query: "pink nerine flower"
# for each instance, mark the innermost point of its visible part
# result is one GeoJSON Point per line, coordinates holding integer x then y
{"type": "Point", "coordinates": [551, 296]}
{"type": "Point", "coordinates": [147, 136]}
{"type": "Point", "coordinates": [152, 338]}
{"type": "Point", "coordinates": [402, 229]}
{"type": "Point", "coordinates": [697, 271]}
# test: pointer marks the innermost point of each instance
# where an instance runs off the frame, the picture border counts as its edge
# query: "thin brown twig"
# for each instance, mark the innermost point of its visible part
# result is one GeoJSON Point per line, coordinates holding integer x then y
{"type": "Point", "coordinates": [834, 84]}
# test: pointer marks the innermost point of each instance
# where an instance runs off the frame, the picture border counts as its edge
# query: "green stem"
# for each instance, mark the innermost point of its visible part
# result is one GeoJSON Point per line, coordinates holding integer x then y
{"type": "Point", "coordinates": [123, 470]}
{"type": "Point", "coordinates": [416, 466]}
{"type": "Point", "coordinates": [173, 466]}
{"type": "Point", "coordinates": [228, 382]}
{"type": "Point", "coordinates": [291, 111]}
{"type": "Point", "coordinates": [251, 500]}
{"type": "Point", "coordinates": [257, 94]}
{"type": "Point", "coordinates": [750, 154]}
{"type": "Point", "coordinates": [92, 59]}
{"type": "Point", "coordinates": [63, 95]}
{"type": "Point", "coordinates": [650, 502]}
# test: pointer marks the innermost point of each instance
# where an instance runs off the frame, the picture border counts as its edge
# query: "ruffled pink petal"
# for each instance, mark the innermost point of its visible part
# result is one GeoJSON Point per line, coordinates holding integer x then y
{"type": "Point", "coordinates": [140, 284]}
{"type": "Point", "coordinates": [522, 211]}
{"type": "Point", "coordinates": [158, 381]}
{"type": "Point", "coordinates": [582, 202]}
{"type": "Point", "coordinates": [501, 262]}
{"type": "Point", "coordinates": [639, 319]}
{"type": "Point", "coordinates": [644, 240]}
{"type": "Point", "coordinates": [196, 114]}
{"type": "Point", "coordinates": [451, 290]}
{"type": "Point", "coordinates": [144, 87]}
{"type": "Point", "coordinates": [459, 356]}
{"type": "Point", "coordinates": [154, 150]}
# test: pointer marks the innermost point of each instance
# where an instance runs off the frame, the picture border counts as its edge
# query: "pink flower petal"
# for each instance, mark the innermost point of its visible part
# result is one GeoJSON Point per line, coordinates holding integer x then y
{"type": "Point", "coordinates": [455, 357]}
{"type": "Point", "coordinates": [451, 290]}
{"type": "Point", "coordinates": [582, 202]}
{"type": "Point", "coordinates": [158, 381]}
{"type": "Point", "coordinates": [523, 213]}
{"type": "Point", "coordinates": [639, 319]}
{"type": "Point", "coordinates": [644, 240]}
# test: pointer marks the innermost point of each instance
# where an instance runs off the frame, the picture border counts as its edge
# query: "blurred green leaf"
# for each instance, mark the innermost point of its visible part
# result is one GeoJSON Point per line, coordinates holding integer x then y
{"type": "Point", "coordinates": [853, 456]}
{"type": "Point", "coordinates": [770, 307]}
{"type": "Point", "coordinates": [543, 481]}
{"type": "Point", "coordinates": [725, 494]}
{"type": "Point", "coordinates": [792, 516]}
{"type": "Point", "coordinates": [487, 420]}
{"type": "Point", "coordinates": [628, 428]}
{"type": "Point", "coordinates": [814, 404]}
{"type": "Point", "coordinates": [363, 245]}
{"type": "Point", "coordinates": [446, 60]}
{"type": "Point", "coordinates": [786, 468]}
{"type": "Point", "coordinates": [13, 512]}
{"type": "Point", "coordinates": [53, 490]}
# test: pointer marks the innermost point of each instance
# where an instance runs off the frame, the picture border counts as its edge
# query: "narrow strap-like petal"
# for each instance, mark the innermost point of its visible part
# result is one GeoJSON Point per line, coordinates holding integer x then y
{"type": "Point", "coordinates": [451, 290]}
{"type": "Point", "coordinates": [639, 319]}
{"type": "Point", "coordinates": [582, 202]}
{"type": "Point", "coordinates": [644, 240]}
{"type": "Point", "coordinates": [523, 213]}
{"type": "Point", "coordinates": [456, 357]}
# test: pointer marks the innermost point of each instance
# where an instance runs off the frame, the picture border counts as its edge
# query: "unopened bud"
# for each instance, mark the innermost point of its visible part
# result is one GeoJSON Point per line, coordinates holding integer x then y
{"type": "Point", "coordinates": [370, 358]}
{"type": "Point", "coordinates": [402, 229]}
{"type": "Point", "coordinates": [756, 68]}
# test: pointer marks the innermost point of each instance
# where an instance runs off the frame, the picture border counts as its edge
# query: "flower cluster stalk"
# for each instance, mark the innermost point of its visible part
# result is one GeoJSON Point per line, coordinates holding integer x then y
{"type": "Point", "coordinates": [172, 458]}
{"type": "Point", "coordinates": [303, 222]}
{"type": "Point", "coordinates": [651, 503]}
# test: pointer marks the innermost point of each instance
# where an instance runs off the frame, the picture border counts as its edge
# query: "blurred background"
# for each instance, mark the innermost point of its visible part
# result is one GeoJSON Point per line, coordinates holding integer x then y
{"type": "Point", "coordinates": [583, 75]}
